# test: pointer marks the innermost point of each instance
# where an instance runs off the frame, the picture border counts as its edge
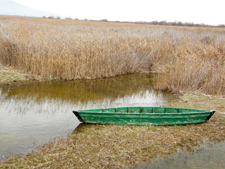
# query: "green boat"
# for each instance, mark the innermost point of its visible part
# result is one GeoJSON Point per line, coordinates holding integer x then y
{"type": "Point", "coordinates": [144, 116]}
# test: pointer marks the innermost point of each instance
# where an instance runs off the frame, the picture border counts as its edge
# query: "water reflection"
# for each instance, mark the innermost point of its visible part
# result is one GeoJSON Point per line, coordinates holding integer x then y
{"type": "Point", "coordinates": [209, 156]}
{"type": "Point", "coordinates": [83, 90]}
{"type": "Point", "coordinates": [34, 114]}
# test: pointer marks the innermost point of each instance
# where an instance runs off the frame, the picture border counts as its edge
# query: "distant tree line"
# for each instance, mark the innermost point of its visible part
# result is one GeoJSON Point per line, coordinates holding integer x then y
{"type": "Point", "coordinates": [165, 23]}
{"type": "Point", "coordinates": [178, 24]}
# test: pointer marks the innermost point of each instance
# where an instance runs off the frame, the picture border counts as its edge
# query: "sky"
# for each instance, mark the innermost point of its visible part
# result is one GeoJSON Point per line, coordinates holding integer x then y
{"type": "Point", "coordinates": [193, 11]}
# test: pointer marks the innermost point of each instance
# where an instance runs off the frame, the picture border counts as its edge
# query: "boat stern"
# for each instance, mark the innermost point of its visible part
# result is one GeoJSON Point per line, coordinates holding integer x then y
{"type": "Point", "coordinates": [78, 116]}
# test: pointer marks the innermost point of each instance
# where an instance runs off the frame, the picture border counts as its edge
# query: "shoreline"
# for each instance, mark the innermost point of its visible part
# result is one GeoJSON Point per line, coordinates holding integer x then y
{"type": "Point", "coordinates": [10, 76]}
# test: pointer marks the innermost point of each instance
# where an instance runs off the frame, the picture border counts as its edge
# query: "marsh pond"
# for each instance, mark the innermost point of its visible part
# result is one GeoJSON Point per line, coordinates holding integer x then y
{"type": "Point", "coordinates": [34, 114]}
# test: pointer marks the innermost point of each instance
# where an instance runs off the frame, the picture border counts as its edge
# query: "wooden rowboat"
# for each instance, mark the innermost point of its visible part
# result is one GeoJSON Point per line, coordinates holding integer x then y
{"type": "Point", "coordinates": [144, 116]}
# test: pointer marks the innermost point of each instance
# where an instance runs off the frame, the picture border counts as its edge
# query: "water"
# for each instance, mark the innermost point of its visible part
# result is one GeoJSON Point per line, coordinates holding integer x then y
{"type": "Point", "coordinates": [209, 156]}
{"type": "Point", "coordinates": [34, 114]}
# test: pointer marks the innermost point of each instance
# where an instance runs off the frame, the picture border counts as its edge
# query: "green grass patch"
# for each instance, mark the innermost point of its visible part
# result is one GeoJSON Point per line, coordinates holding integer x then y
{"type": "Point", "coordinates": [9, 76]}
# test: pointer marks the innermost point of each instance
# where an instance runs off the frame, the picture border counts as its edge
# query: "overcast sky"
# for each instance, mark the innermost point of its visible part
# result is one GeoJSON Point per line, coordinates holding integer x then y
{"type": "Point", "coordinates": [196, 11]}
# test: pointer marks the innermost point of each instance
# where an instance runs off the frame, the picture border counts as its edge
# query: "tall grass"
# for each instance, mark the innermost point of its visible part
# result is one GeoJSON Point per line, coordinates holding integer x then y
{"type": "Point", "coordinates": [190, 58]}
{"type": "Point", "coordinates": [200, 66]}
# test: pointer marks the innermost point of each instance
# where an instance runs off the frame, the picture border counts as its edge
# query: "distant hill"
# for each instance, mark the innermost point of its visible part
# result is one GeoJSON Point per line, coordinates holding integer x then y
{"type": "Point", "coordinates": [8, 7]}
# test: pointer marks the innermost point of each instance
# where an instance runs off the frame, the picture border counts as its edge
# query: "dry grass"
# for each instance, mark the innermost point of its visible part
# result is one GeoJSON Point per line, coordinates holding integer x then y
{"type": "Point", "coordinates": [71, 51]}
{"type": "Point", "coordinates": [193, 59]}
{"type": "Point", "coordinates": [200, 68]}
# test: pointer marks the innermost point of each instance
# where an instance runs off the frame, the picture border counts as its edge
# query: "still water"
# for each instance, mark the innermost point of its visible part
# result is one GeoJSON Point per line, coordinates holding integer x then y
{"type": "Point", "coordinates": [34, 114]}
{"type": "Point", "coordinates": [207, 156]}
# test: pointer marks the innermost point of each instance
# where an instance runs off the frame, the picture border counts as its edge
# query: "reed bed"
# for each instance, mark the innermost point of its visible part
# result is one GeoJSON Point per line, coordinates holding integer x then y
{"type": "Point", "coordinates": [191, 59]}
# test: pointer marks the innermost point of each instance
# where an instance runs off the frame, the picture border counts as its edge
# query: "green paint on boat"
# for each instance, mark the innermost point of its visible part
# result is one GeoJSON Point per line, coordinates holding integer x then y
{"type": "Point", "coordinates": [144, 116]}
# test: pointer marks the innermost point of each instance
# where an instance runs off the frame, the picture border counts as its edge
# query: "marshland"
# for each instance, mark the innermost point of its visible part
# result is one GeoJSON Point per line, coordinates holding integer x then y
{"type": "Point", "coordinates": [187, 63]}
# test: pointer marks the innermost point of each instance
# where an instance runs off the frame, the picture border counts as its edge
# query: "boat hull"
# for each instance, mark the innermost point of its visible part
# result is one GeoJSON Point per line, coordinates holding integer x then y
{"type": "Point", "coordinates": [144, 116]}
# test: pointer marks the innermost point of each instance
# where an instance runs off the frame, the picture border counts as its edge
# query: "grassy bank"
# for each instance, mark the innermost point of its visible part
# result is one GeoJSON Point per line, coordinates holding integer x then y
{"type": "Point", "coordinates": [10, 76]}
{"type": "Point", "coordinates": [192, 59]}
{"type": "Point", "coordinates": [109, 146]}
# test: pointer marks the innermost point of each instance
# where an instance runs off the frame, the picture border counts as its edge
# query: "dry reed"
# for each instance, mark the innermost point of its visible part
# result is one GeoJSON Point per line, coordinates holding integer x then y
{"type": "Point", "coordinates": [192, 59]}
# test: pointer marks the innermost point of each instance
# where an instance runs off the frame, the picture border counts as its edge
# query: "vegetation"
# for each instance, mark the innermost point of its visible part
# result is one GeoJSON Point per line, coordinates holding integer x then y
{"type": "Point", "coordinates": [165, 23]}
{"type": "Point", "coordinates": [192, 59]}
{"type": "Point", "coordinates": [9, 76]}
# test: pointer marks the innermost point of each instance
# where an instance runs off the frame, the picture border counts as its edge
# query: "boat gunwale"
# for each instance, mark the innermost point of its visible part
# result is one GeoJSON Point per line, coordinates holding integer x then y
{"type": "Point", "coordinates": [146, 114]}
{"type": "Point", "coordinates": [107, 110]}
{"type": "Point", "coordinates": [102, 113]}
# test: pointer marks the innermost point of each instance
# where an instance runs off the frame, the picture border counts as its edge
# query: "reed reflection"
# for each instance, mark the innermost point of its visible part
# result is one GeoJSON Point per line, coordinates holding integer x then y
{"type": "Point", "coordinates": [132, 88]}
